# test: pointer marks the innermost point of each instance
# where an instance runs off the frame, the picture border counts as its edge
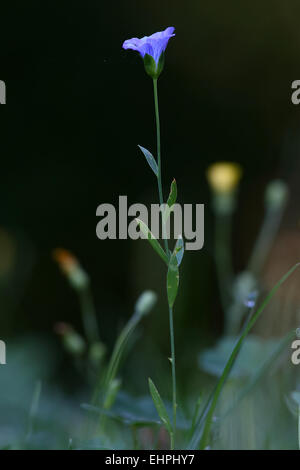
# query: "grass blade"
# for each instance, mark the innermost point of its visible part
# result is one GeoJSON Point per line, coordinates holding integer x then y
{"type": "Point", "coordinates": [261, 371]}
{"type": "Point", "coordinates": [202, 431]}
{"type": "Point", "coordinates": [173, 194]}
{"type": "Point", "coordinates": [170, 202]}
{"type": "Point", "coordinates": [161, 409]}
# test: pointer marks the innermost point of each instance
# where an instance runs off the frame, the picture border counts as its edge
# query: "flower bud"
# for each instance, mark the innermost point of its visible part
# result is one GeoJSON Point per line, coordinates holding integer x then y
{"type": "Point", "coordinates": [146, 302]}
{"type": "Point", "coordinates": [152, 49]}
{"type": "Point", "coordinates": [245, 285]}
{"type": "Point", "coordinates": [72, 341]}
{"type": "Point", "coordinates": [97, 352]}
{"type": "Point", "coordinates": [70, 266]}
{"type": "Point", "coordinates": [152, 68]}
{"type": "Point", "coordinates": [276, 194]}
{"type": "Point", "coordinates": [223, 178]}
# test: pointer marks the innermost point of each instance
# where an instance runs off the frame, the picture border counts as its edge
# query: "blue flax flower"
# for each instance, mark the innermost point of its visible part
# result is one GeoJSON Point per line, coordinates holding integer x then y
{"type": "Point", "coordinates": [151, 49]}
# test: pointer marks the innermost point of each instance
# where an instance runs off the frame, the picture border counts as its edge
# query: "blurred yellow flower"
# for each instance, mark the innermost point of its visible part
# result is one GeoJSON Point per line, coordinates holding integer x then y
{"type": "Point", "coordinates": [223, 177]}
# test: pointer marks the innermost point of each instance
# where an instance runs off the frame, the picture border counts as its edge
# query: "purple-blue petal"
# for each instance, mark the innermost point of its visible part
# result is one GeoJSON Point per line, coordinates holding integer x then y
{"type": "Point", "coordinates": [153, 45]}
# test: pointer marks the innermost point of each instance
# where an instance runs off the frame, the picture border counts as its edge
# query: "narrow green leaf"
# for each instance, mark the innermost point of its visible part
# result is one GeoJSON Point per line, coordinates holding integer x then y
{"type": "Point", "coordinates": [152, 240]}
{"type": "Point", "coordinates": [173, 194]}
{"type": "Point", "coordinates": [159, 405]}
{"type": "Point", "coordinates": [261, 372]}
{"type": "Point", "coordinates": [202, 430]}
{"type": "Point", "coordinates": [179, 250]}
{"type": "Point", "coordinates": [172, 281]}
{"type": "Point", "coordinates": [173, 272]}
{"type": "Point", "coordinates": [150, 159]}
{"type": "Point", "coordinates": [170, 202]}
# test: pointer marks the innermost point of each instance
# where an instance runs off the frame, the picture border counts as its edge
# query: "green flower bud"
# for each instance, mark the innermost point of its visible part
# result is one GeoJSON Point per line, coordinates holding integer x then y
{"type": "Point", "coordinates": [112, 392]}
{"type": "Point", "coordinates": [276, 194]}
{"type": "Point", "coordinates": [97, 352]}
{"type": "Point", "coordinates": [152, 68]}
{"type": "Point", "coordinates": [146, 302]}
{"type": "Point", "coordinates": [74, 343]}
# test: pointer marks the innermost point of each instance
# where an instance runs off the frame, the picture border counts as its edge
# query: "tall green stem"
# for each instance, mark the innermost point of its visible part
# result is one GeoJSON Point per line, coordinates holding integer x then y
{"type": "Point", "coordinates": [160, 191]}
{"type": "Point", "coordinates": [223, 224]}
{"type": "Point", "coordinates": [173, 374]}
{"type": "Point", "coordinates": [161, 201]}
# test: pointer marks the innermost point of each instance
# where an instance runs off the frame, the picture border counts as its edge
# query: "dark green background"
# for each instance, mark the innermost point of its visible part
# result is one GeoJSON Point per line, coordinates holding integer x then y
{"type": "Point", "coordinates": [78, 105]}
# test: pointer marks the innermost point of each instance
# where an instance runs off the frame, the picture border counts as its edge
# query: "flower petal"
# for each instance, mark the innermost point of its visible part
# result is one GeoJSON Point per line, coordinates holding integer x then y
{"type": "Point", "coordinates": [153, 45]}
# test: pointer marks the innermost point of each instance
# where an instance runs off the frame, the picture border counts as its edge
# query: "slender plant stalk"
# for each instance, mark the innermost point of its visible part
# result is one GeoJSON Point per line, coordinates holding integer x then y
{"type": "Point", "coordinates": [223, 260]}
{"type": "Point", "coordinates": [265, 240]}
{"type": "Point", "coordinates": [159, 182]}
{"type": "Point", "coordinates": [171, 323]}
{"type": "Point", "coordinates": [173, 376]}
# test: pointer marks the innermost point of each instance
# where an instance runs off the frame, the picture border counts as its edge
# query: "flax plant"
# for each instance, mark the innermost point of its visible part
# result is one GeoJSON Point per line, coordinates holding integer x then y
{"type": "Point", "coordinates": [152, 49]}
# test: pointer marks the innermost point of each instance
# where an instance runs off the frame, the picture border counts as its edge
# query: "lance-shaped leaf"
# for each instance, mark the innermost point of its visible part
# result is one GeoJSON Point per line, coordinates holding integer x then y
{"type": "Point", "coordinates": [179, 250]}
{"type": "Point", "coordinates": [170, 202]}
{"type": "Point", "coordinates": [173, 194]}
{"type": "Point", "coordinates": [152, 240]}
{"type": "Point", "coordinates": [173, 272]}
{"type": "Point", "coordinates": [150, 159]}
{"type": "Point", "coordinates": [159, 405]}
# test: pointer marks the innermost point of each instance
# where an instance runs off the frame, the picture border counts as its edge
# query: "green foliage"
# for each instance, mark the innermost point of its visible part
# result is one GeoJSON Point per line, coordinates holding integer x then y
{"type": "Point", "coordinates": [161, 409]}
{"type": "Point", "coordinates": [202, 430]}
{"type": "Point", "coordinates": [152, 240]}
{"type": "Point", "coordinates": [150, 159]}
{"type": "Point", "coordinates": [173, 272]}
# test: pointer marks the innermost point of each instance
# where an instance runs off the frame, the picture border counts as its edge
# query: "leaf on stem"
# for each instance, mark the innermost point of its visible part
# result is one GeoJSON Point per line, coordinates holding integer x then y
{"type": "Point", "coordinates": [170, 202]}
{"type": "Point", "coordinates": [152, 240]}
{"type": "Point", "coordinates": [173, 271]}
{"type": "Point", "coordinates": [179, 250]}
{"type": "Point", "coordinates": [160, 407]}
{"type": "Point", "coordinates": [150, 159]}
{"type": "Point", "coordinates": [173, 194]}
